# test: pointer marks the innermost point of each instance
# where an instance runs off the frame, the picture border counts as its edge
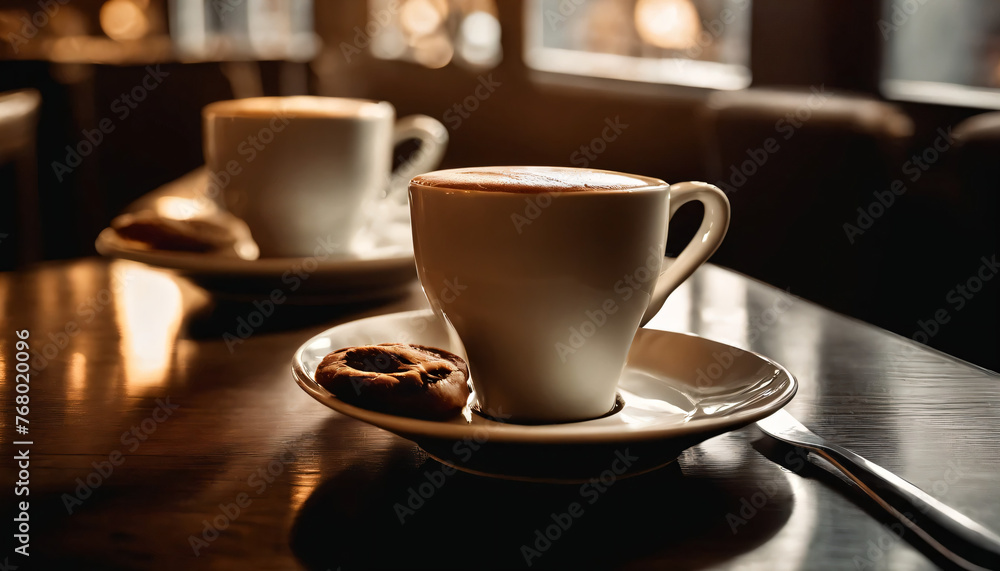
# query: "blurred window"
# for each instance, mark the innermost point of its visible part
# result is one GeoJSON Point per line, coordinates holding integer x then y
{"type": "Point", "coordinates": [243, 29]}
{"type": "Point", "coordinates": [942, 52]}
{"type": "Point", "coordinates": [701, 43]}
{"type": "Point", "coordinates": [434, 33]}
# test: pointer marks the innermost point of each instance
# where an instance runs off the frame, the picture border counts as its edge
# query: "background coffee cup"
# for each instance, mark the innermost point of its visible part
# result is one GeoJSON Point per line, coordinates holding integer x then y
{"type": "Point", "coordinates": [304, 172]}
{"type": "Point", "coordinates": [547, 288]}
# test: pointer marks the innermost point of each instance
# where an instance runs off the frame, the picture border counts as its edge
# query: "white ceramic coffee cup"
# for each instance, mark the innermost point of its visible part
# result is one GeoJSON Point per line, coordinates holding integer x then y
{"type": "Point", "coordinates": [547, 289]}
{"type": "Point", "coordinates": [304, 172]}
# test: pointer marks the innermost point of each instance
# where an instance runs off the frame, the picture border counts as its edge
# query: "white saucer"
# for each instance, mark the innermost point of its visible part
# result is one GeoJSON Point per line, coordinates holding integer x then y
{"type": "Point", "coordinates": [378, 273]}
{"type": "Point", "coordinates": [381, 265]}
{"type": "Point", "coordinates": [666, 409]}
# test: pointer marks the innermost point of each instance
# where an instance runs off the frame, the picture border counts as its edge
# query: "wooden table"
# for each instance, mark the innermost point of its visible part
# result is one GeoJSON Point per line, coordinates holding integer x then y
{"type": "Point", "coordinates": [158, 445]}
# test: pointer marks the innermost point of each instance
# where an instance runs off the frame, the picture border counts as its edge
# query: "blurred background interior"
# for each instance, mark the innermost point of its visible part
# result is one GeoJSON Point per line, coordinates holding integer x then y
{"type": "Point", "coordinates": [855, 139]}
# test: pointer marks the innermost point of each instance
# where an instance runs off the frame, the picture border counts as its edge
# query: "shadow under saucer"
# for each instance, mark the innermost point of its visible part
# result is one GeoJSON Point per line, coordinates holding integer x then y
{"type": "Point", "coordinates": [394, 511]}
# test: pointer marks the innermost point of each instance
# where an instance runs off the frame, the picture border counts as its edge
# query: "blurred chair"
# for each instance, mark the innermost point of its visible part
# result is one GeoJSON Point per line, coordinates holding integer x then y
{"type": "Point", "coordinates": [797, 164]}
{"type": "Point", "coordinates": [18, 123]}
{"type": "Point", "coordinates": [976, 164]}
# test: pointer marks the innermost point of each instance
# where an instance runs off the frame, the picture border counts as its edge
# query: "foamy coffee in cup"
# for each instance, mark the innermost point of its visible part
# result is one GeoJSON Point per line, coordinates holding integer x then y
{"type": "Point", "coordinates": [304, 171]}
{"type": "Point", "coordinates": [547, 272]}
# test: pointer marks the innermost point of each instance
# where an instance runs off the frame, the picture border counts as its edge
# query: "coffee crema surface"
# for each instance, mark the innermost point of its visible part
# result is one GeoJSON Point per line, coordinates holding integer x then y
{"type": "Point", "coordinates": [300, 107]}
{"type": "Point", "coordinates": [534, 180]}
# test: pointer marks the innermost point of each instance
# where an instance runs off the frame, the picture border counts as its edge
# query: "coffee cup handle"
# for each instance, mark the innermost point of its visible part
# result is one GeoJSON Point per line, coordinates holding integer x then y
{"type": "Point", "coordinates": [713, 229]}
{"type": "Point", "coordinates": [433, 138]}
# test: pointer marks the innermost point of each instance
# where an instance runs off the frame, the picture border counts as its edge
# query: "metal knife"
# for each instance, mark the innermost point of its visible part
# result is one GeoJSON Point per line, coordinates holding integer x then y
{"type": "Point", "coordinates": [961, 540]}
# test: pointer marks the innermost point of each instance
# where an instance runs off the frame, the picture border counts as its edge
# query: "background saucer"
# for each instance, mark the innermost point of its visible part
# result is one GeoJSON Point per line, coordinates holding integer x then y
{"type": "Point", "coordinates": [380, 266]}
{"type": "Point", "coordinates": [379, 273]}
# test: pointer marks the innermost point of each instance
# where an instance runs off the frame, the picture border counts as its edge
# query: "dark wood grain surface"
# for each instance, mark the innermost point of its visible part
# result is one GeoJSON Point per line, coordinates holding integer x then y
{"type": "Point", "coordinates": [163, 440]}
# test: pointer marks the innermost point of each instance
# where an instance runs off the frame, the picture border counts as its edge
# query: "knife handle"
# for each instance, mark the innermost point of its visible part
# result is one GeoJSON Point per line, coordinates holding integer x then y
{"type": "Point", "coordinates": [960, 539]}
